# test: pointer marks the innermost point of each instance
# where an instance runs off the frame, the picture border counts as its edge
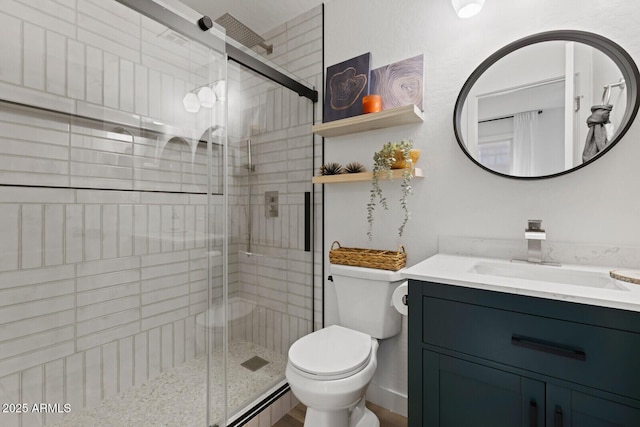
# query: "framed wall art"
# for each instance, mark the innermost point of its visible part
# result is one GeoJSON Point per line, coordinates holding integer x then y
{"type": "Point", "coordinates": [347, 84]}
{"type": "Point", "coordinates": [400, 83]}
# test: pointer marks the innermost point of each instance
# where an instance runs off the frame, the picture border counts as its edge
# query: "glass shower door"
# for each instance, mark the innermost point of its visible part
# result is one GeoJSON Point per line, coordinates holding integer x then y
{"type": "Point", "coordinates": [112, 215]}
{"type": "Point", "coordinates": [270, 261]}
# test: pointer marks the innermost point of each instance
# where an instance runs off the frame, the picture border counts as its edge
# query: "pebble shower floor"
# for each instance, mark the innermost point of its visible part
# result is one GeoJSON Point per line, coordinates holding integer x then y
{"type": "Point", "coordinates": [176, 398]}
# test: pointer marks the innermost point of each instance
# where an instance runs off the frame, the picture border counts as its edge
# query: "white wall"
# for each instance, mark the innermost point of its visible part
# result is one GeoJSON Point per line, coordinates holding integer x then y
{"type": "Point", "coordinates": [597, 204]}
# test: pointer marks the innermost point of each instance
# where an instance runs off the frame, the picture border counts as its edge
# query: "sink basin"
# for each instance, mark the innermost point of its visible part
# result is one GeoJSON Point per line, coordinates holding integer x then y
{"type": "Point", "coordinates": [582, 284]}
{"type": "Point", "coordinates": [548, 273]}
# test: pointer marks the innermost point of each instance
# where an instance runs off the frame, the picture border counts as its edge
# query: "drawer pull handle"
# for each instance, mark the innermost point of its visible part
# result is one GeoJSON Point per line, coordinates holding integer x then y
{"type": "Point", "coordinates": [557, 417]}
{"type": "Point", "coordinates": [548, 347]}
{"type": "Point", "coordinates": [533, 414]}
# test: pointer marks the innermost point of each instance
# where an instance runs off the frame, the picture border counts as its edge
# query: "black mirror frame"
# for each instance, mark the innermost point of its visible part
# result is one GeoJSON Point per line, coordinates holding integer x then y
{"type": "Point", "coordinates": [617, 54]}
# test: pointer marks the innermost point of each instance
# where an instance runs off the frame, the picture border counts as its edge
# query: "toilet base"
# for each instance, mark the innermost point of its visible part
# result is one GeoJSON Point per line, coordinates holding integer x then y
{"type": "Point", "coordinates": [368, 419]}
{"type": "Point", "coordinates": [359, 416]}
{"type": "Point", "coordinates": [320, 418]}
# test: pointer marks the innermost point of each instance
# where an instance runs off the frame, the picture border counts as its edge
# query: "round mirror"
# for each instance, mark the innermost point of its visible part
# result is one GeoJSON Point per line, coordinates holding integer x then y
{"type": "Point", "coordinates": [547, 104]}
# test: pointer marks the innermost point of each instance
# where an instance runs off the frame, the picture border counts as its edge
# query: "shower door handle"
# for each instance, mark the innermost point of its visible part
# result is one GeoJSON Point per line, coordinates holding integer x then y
{"type": "Point", "coordinates": [307, 221]}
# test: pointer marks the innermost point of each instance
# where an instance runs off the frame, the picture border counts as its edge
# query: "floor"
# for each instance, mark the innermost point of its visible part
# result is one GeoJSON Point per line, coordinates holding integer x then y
{"type": "Point", "coordinates": [295, 417]}
{"type": "Point", "coordinates": [177, 397]}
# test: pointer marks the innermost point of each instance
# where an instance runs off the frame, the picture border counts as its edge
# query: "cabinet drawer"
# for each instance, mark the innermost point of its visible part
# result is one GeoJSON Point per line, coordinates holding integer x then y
{"type": "Point", "coordinates": [585, 354]}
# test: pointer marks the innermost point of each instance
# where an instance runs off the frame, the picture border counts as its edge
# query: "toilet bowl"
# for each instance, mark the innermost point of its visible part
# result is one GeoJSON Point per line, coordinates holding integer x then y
{"type": "Point", "coordinates": [329, 370]}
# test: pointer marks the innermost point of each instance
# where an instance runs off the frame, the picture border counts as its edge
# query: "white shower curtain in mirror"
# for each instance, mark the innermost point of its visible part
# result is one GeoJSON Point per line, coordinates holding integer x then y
{"type": "Point", "coordinates": [525, 129]}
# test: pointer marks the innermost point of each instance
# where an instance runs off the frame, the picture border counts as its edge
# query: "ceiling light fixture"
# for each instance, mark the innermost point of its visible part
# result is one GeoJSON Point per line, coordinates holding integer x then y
{"type": "Point", "coordinates": [467, 8]}
{"type": "Point", "coordinates": [221, 90]}
{"type": "Point", "coordinates": [204, 96]}
{"type": "Point", "coordinates": [191, 102]}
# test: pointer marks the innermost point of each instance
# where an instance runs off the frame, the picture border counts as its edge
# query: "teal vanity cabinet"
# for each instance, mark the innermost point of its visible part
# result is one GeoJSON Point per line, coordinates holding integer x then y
{"type": "Point", "coordinates": [485, 358]}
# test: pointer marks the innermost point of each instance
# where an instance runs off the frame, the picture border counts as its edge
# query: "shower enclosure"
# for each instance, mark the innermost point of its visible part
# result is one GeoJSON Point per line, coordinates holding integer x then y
{"type": "Point", "coordinates": [145, 276]}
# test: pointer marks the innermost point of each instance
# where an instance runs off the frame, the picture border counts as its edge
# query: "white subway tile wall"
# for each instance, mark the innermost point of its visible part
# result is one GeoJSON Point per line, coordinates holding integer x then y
{"type": "Point", "coordinates": [277, 121]}
{"type": "Point", "coordinates": [103, 263]}
{"type": "Point", "coordinates": [281, 277]}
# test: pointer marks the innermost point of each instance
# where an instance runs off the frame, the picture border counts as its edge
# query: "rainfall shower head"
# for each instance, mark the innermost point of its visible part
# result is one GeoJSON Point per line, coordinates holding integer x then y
{"type": "Point", "coordinates": [241, 33]}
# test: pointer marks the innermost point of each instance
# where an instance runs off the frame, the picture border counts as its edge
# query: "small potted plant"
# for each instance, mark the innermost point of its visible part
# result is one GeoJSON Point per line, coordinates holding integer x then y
{"type": "Point", "coordinates": [332, 168]}
{"type": "Point", "coordinates": [393, 155]}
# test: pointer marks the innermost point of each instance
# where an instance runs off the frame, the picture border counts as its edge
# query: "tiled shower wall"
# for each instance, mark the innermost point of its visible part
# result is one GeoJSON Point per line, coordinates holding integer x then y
{"type": "Point", "coordinates": [280, 279]}
{"type": "Point", "coordinates": [103, 259]}
{"type": "Point", "coordinates": [298, 48]}
{"type": "Point", "coordinates": [79, 331]}
{"type": "Point", "coordinates": [102, 275]}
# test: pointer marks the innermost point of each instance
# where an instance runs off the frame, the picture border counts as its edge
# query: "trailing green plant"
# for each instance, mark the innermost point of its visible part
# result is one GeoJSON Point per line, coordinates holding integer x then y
{"type": "Point", "coordinates": [382, 162]}
{"type": "Point", "coordinates": [331, 168]}
{"type": "Point", "coordinates": [354, 167]}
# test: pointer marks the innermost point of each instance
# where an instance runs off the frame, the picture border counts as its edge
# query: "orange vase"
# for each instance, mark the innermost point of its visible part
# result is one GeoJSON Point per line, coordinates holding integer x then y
{"type": "Point", "coordinates": [371, 104]}
{"type": "Point", "coordinates": [414, 155]}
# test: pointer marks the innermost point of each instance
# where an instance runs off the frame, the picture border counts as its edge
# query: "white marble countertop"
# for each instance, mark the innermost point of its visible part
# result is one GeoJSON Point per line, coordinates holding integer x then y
{"type": "Point", "coordinates": [461, 271]}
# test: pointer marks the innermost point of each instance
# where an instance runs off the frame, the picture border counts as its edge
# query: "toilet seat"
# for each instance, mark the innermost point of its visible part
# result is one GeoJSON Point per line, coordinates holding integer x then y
{"type": "Point", "coordinates": [331, 353]}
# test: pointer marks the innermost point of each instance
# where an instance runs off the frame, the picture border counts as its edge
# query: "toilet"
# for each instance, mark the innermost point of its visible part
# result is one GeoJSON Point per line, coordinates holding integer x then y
{"type": "Point", "coordinates": [329, 370]}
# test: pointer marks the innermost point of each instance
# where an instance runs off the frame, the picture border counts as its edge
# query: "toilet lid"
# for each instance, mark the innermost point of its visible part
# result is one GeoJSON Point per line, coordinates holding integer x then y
{"type": "Point", "coordinates": [331, 353]}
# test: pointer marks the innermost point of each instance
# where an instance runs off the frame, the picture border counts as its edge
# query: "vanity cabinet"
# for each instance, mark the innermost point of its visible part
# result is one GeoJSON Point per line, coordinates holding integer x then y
{"type": "Point", "coordinates": [484, 358]}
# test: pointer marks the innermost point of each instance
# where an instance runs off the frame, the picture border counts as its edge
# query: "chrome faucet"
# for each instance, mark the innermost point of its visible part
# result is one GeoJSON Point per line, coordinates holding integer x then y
{"type": "Point", "coordinates": [534, 235]}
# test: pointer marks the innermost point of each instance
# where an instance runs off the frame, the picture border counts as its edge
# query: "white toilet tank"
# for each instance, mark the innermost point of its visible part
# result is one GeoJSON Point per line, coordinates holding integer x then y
{"type": "Point", "coordinates": [364, 299]}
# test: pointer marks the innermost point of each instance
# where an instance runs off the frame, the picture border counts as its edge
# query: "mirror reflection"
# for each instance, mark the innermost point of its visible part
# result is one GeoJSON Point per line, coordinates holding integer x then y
{"type": "Point", "coordinates": [543, 109]}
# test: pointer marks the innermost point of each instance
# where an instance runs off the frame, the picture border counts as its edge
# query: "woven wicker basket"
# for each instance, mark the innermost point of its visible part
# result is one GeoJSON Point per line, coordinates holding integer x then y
{"type": "Point", "coordinates": [370, 258]}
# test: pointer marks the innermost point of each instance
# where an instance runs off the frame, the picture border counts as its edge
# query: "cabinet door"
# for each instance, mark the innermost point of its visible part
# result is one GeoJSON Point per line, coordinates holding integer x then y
{"type": "Point", "coordinates": [567, 408]}
{"type": "Point", "coordinates": [460, 393]}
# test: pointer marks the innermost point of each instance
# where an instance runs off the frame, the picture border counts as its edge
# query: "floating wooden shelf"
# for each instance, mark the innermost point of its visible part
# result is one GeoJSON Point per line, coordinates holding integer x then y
{"type": "Point", "coordinates": [362, 176]}
{"type": "Point", "coordinates": [383, 119]}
